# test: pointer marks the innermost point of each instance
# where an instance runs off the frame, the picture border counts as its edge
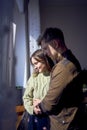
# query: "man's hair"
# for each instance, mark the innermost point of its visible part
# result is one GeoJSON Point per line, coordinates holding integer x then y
{"type": "Point", "coordinates": [51, 34]}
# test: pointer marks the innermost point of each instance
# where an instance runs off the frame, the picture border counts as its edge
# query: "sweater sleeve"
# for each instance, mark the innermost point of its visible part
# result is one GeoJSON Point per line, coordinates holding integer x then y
{"type": "Point", "coordinates": [28, 96]}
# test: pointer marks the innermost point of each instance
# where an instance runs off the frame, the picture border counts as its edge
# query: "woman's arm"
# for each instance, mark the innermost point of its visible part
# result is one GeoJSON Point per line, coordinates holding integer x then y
{"type": "Point", "coordinates": [28, 96]}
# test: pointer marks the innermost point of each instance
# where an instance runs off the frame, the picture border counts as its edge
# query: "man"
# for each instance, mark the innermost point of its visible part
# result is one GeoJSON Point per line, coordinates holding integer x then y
{"type": "Point", "coordinates": [64, 95]}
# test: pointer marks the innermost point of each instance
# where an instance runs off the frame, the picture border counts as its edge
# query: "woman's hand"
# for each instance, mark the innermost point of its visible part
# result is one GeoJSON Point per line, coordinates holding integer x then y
{"type": "Point", "coordinates": [37, 110]}
{"type": "Point", "coordinates": [36, 107]}
{"type": "Point", "coordinates": [36, 102]}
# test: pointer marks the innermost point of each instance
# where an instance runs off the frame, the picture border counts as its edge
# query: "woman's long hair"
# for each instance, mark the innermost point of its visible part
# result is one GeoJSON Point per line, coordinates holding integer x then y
{"type": "Point", "coordinates": [40, 57]}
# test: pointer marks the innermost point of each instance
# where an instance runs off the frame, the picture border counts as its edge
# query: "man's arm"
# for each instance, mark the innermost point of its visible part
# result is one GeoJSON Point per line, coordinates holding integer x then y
{"type": "Point", "coordinates": [60, 78]}
{"type": "Point", "coordinates": [57, 84]}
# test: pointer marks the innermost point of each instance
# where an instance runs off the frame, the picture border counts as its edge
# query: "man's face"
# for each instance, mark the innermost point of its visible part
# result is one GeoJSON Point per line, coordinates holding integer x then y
{"type": "Point", "coordinates": [48, 49]}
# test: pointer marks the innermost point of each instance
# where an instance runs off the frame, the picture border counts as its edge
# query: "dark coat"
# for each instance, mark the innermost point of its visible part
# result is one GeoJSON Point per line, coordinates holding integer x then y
{"type": "Point", "coordinates": [64, 95]}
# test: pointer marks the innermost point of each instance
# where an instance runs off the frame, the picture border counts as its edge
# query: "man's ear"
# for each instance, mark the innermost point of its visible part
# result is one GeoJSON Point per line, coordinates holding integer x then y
{"type": "Point", "coordinates": [55, 44]}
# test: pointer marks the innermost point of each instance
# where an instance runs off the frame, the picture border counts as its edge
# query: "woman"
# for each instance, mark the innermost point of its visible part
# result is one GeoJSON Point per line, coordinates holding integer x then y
{"type": "Point", "coordinates": [36, 88]}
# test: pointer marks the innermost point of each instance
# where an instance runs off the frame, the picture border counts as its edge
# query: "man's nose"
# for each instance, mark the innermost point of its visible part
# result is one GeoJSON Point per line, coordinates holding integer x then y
{"type": "Point", "coordinates": [44, 51]}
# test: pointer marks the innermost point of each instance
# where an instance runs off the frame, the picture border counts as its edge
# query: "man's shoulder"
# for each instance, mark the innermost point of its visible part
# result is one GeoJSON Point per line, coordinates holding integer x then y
{"type": "Point", "coordinates": [59, 66]}
{"type": "Point", "coordinates": [63, 65]}
{"type": "Point", "coordinates": [64, 62]}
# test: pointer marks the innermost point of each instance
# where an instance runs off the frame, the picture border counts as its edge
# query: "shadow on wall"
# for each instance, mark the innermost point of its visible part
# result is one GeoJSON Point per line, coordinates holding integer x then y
{"type": "Point", "coordinates": [19, 94]}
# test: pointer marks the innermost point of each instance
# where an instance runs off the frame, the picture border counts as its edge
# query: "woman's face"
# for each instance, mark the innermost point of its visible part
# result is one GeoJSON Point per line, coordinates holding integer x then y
{"type": "Point", "coordinates": [38, 66]}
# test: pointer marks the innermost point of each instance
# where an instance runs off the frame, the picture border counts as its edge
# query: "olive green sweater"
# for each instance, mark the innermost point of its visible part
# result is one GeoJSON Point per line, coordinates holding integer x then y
{"type": "Point", "coordinates": [36, 87]}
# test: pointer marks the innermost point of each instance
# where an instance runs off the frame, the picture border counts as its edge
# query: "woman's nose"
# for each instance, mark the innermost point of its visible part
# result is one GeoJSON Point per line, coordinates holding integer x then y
{"type": "Point", "coordinates": [36, 68]}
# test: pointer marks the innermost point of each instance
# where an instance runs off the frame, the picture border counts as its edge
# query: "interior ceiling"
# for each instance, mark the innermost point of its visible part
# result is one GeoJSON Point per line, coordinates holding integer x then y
{"type": "Point", "coordinates": [60, 2]}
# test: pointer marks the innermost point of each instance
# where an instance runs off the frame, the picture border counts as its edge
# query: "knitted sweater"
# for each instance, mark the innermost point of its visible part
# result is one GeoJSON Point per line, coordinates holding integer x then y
{"type": "Point", "coordinates": [36, 87]}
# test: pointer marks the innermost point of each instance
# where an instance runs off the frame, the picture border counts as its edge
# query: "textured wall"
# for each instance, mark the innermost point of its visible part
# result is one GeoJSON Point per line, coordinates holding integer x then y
{"type": "Point", "coordinates": [7, 89]}
{"type": "Point", "coordinates": [34, 28]}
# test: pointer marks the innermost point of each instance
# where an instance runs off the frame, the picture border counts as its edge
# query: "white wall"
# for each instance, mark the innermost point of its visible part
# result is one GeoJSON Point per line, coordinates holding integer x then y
{"type": "Point", "coordinates": [34, 31]}
{"type": "Point", "coordinates": [20, 46]}
{"type": "Point", "coordinates": [72, 19]}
